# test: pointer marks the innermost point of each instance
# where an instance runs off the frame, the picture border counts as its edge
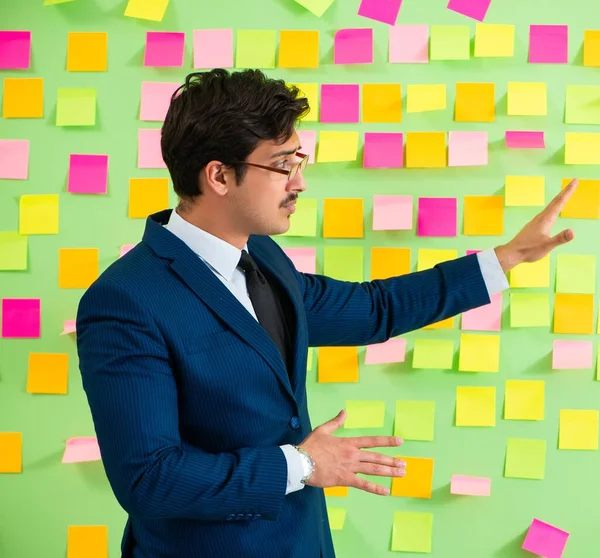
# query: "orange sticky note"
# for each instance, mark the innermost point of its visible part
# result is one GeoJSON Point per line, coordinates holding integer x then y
{"type": "Point", "coordinates": [591, 48]}
{"type": "Point", "coordinates": [23, 98]}
{"type": "Point", "coordinates": [339, 491]}
{"type": "Point", "coordinates": [87, 541]}
{"type": "Point", "coordinates": [338, 364]}
{"type": "Point", "coordinates": [147, 196]}
{"type": "Point", "coordinates": [298, 49]}
{"type": "Point", "coordinates": [11, 452]}
{"type": "Point", "coordinates": [87, 52]}
{"type": "Point", "coordinates": [475, 102]}
{"type": "Point", "coordinates": [574, 313]}
{"type": "Point", "coordinates": [78, 268]}
{"type": "Point", "coordinates": [418, 481]}
{"type": "Point", "coordinates": [483, 215]}
{"type": "Point", "coordinates": [48, 373]}
{"type": "Point", "coordinates": [426, 149]}
{"type": "Point", "coordinates": [389, 262]}
{"type": "Point", "coordinates": [584, 202]}
{"type": "Point", "coordinates": [448, 323]}
{"type": "Point", "coordinates": [381, 102]}
{"type": "Point", "coordinates": [343, 218]}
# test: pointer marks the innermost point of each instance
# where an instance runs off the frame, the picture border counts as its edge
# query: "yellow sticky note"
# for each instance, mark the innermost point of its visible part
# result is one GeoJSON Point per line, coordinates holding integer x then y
{"type": "Point", "coordinates": [337, 364]}
{"type": "Point", "coordinates": [591, 47]}
{"type": "Point", "coordinates": [479, 353]}
{"type": "Point", "coordinates": [527, 98]}
{"type": "Point", "coordinates": [423, 98]}
{"type": "Point", "coordinates": [426, 149]}
{"type": "Point", "coordinates": [11, 452]}
{"type": "Point", "coordinates": [475, 102]}
{"type": "Point", "coordinates": [298, 49]}
{"type": "Point", "coordinates": [13, 251]}
{"type": "Point", "coordinates": [317, 7]}
{"type": "Point", "coordinates": [483, 215]}
{"type": "Point", "coordinates": [344, 263]}
{"type": "Point", "coordinates": [38, 214]}
{"type": "Point", "coordinates": [412, 532]}
{"type": "Point", "coordinates": [531, 274]}
{"type": "Point", "coordinates": [389, 262]}
{"type": "Point", "coordinates": [582, 148]}
{"type": "Point", "coordinates": [23, 98]}
{"type": "Point", "coordinates": [147, 196]}
{"type": "Point", "coordinates": [494, 40]}
{"type": "Point", "coordinates": [418, 481]}
{"type": "Point", "coordinates": [76, 107]}
{"type": "Point", "coordinates": [364, 414]}
{"type": "Point", "coordinates": [78, 268]}
{"type": "Point", "coordinates": [337, 516]}
{"type": "Point", "coordinates": [304, 221]}
{"type": "Point", "coordinates": [450, 42]}
{"type": "Point", "coordinates": [87, 52]}
{"type": "Point", "coordinates": [524, 400]}
{"type": "Point", "coordinates": [153, 10]}
{"type": "Point", "coordinates": [584, 202]}
{"type": "Point", "coordinates": [335, 147]}
{"type": "Point", "coordinates": [574, 313]}
{"type": "Point", "coordinates": [433, 353]}
{"type": "Point", "coordinates": [578, 429]}
{"type": "Point", "coordinates": [475, 406]}
{"type": "Point", "coordinates": [48, 373]}
{"type": "Point", "coordinates": [255, 48]}
{"type": "Point", "coordinates": [381, 102]}
{"type": "Point", "coordinates": [343, 218]}
{"type": "Point", "coordinates": [528, 191]}
{"type": "Point", "coordinates": [337, 491]}
{"type": "Point", "coordinates": [87, 541]}
{"type": "Point", "coordinates": [430, 257]}
{"type": "Point", "coordinates": [311, 92]}
{"type": "Point", "coordinates": [529, 310]}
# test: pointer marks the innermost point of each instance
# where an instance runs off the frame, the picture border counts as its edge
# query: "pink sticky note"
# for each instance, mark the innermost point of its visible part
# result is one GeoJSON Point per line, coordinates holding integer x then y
{"type": "Point", "coordinates": [383, 150]}
{"type": "Point", "coordinates": [125, 248]}
{"type": "Point", "coordinates": [81, 449]}
{"type": "Point", "coordinates": [392, 213]}
{"type": "Point", "coordinates": [548, 44]}
{"type": "Point", "coordinates": [21, 318]}
{"type": "Point", "coordinates": [156, 98]}
{"type": "Point", "coordinates": [545, 540]}
{"type": "Point", "coordinates": [571, 355]}
{"type": "Point", "coordinates": [88, 174]}
{"type": "Point", "coordinates": [149, 152]}
{"type": "Point", "coordinates": [164, 49]}
{"type": "Point", "coordinates": [466, 149]}
{"type": "Point", "coordinates": [525, 140]}
{"type": "Point", "coordinates": [69, 326]}
{"type": "Point", "coordinates": [437, 217]}
{"type": "Point", "coordinates": [409, 44]}
{"type": "Point", "coordinates": [213, 48]}
{"type": "Point", "coordinates": [304, 259]}
{"type": "Point", "coordinates": [470, 486]}
{"type": "Point", "coordinates": [392, 350]}
{"type": "Point", "coordinates": [385, 11]}
{"type": "Point", "coordinates": [469, 252]}
{"type": "Point", "coordinates": [15, 50]}
{"type": "Point", "coordinates": [308, 141]}
{"type": "Point", "coordinates": [353, 46]}
{"type": "Point", "coordinates": [339, 103]}
{"type": "Point", "coordinates": [14, 159]}
{"type": "Point", "coordinates": [484, 318]}
{"type": "Point", "coordinates": [475, 9]}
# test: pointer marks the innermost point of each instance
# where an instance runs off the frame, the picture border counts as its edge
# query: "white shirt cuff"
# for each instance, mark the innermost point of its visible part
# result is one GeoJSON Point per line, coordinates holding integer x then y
{"type": "Point", "coordinates": [295, 468]}
{"type": "Point", "coordinates": [493, 274]}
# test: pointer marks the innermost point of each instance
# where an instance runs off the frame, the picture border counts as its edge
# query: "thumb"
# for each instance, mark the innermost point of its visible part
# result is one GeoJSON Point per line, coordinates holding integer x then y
{"type": "Point", "coordinates": [332, 425]}
{"type": "Point", "coordinates": [562, 238]}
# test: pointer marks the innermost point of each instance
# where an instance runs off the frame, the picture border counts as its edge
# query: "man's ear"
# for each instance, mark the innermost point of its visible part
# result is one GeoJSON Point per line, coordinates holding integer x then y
{"type": "Point", "coordinates": [217, 177]}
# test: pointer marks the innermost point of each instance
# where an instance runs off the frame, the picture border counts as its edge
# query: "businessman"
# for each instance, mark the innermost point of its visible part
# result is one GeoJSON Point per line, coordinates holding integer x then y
{"type": "Point", "coordinates": [193, 346]}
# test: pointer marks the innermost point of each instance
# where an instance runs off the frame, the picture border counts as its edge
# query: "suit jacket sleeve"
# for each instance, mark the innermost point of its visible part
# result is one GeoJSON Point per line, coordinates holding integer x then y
{"type": "Point", "coordinates": [132, 394]}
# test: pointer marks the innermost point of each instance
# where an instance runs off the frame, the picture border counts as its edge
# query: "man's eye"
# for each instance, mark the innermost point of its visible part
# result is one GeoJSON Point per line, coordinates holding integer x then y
{"type": "Point", "coordinates": [282, 164]}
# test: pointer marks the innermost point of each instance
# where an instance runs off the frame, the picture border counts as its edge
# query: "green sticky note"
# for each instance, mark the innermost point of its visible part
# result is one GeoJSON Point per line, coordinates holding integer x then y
{"type": "Point", "coordinates": [433, 353]}
{"type": "Point", "coordinates": [255, 49]}
{"type": "Point", "coordinates": [412, 532]}
{"type": "Point", "coordinates": [415, 420]}
{"type": "Point", "coordinates": [76, 107]}
{"type": "Point", "coordinates": [364, 414]}
{"type": "Point", "coordinates": [450, 42]}
{"type": "Point", "coordinates": [337, 516]}
{"type": "Point", "coordinates": [525, 458]}
{"type": "Point", "coordinates": [529, 310]}
{"type": "Point", "coordinates": [304, 221]}
{"type": "Point", "coordinates": [13, 251]}
{"type": "Point", "coordinates": [576, 273]}
{"type": "Point", "coordinates": [309, 359]}
{"type": "Point", "coordinates": [344, 263]}
{"type": "Point", "coordinates": [317, 7]}
{"type": "Point", "coordinates": [583, 104]}
{"type": "Point", "coordinates": [53, 2]}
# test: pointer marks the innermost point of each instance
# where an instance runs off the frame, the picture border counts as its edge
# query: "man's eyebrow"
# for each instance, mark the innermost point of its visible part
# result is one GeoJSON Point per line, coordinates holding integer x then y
{"type": "Point", "coordinates": [290, 152]}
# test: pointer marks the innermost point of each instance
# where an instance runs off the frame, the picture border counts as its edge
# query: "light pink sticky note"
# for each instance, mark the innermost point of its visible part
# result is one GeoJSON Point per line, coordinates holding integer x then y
{"type": "Point", "coordinates": [385, 11]}
{"type": "Point", "coordinates": [213, 48]}
{"type": "Point", "coordinates": [149, 152]}
{"type": "Point", "coordinates": [437, 217]}
{"type": "Point", "coordinates": [69, 326]}
{"type": "Point", "coordinates": [484, 318]}
{"type": "Point", "coordinates": [156, 98]}
{"type": "Point", "coordinates": [304, 259]}
{"type": "Point", "coordinates": [88, 174]}
{"type": "Point", "coordinates": [383, 150]}
{"type": "Point", "coordinates": [571, 355]}
{"type": "Point", "coordinates": [164, 49]}
{"type": "Point", "coordinates": [392, 350]}
{"type": "Point", "coordinates": [545, 540]}
{"type": "Point", "coordinates": [14, 159]}
{"type": "Point", "coordinates": [15, 50]}
{"type": "Point", "coordinates": [353, 46]}
{"type": "Point", "coordinates": [125, 248]}
{"type": "Point", "coordinates": [409, 44]}
{"type": "Point", "coordinates": [525, 140]}
{"type": "Point", "coordinates": [21, 318]}
{"type": "Point", "coordinates": [308, 141]}
{"type": "Point", "coordinates": [392, 213]}
{"type": "Point", "coordinates": [467, 149]}
{"type": "Point", "coordinates": [470, 486]}
{"type": "Point", "coordinates": [548, 44]}
{"type": "Point", "coordinates": [340, 103]}
{"type": "Point", "coordinates": [475, 9]}
{"type": "Point", "coordinates": [81, 449]}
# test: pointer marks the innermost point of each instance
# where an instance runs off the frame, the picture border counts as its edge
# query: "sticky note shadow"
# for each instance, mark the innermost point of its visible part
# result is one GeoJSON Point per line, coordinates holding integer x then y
{"type": "Point", "coordinates": [80, 12]}
{"type": "Point", "coordinates": [558, 158]}
{"type": "Point", "coordinates": [442, 495]}
{"type": "Point", "coordinates": [513, 548]}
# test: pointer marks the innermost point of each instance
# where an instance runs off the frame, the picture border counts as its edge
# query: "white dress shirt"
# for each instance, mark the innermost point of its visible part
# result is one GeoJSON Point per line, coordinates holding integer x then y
{"type": "Point", "coordinates": [222, 259]}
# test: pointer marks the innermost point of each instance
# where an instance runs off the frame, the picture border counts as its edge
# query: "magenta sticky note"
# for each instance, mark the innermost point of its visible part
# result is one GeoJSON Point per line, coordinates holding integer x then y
{"type": "Point", "coordinates": [15, 50]}
{"type": "Point", "coordinates": [14, 159]}
{"type": "Point", "coordinates": [571, 355]}
{"type": "Point", "coordinates": [156, 98]}
{"type": "Point", "coordinates": [88, 174]}
{"type": "Point", "coordinates": [392, 213]}
{"type": "Point", "coordinates": [213, 48]}
{"type": "Point", "coordinates": [525, 140]}
{"type": "Point", "coordinates": [392, 350]}
{"type": "Point", "coordinates": [385, 11]}
{"type": "Point", "coordinates": [545, 540]}
{"type": "Point", "coordinates": [383, 150]}
{"type": "Point", "coordinates": [339, 103]}
{"type": "Point", "coordinates": [409, 44]}
{"type": "Point", "coordinates": [125, 248]}
{"type": "Point", "coordinates": [21, 318]}
{"type": "Point", "coordinates": [69, 326]}
{"type": "Point", "coordinates": [470, 486]}
{"type": "Point", "coordinates": [308, 143]}
{"type": "Point", "coordinates": [467, 149]}
{"type": "Point", "coordinates": [437, 217]}
{"type": "Point", "coordinates": [304, 259]}
{"type": "Point", "coordinates": [548, 44]}
{"type": "Point", "coordinates": [81, 449]}
{"type": "Point", "coordinates": [484, 318]}
{"type": "Point", "coordinates": [353, 46]}
{"type": "Point", "coordinates": [149, 151]}
{"type": "Point", "coordinates": [164, 49]}
{"type": "Point", "coordinates": [475, 9]}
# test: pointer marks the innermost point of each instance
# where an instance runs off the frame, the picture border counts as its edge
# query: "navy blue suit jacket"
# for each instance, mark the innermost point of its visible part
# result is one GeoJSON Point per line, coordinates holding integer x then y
{"type": "Point", "coordinates": [190, 397]}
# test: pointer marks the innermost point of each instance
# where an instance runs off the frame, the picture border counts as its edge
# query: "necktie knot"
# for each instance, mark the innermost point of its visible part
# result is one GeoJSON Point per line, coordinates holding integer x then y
{"type": "Point", "coordinates": [248, 265]}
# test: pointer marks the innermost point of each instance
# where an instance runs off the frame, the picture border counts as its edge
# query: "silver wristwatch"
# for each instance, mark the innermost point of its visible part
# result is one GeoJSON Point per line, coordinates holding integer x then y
{"type": "Point", "coordinates": [308, 465]}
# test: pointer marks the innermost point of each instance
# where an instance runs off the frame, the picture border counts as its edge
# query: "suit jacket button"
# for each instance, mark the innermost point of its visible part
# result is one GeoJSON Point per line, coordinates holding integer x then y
{"type": "Point", "coordinates": [257, 516]}
{"type": "Point", "coordinates": [240, 516]}
{"type": "Point", "coordinates": [230, 517]}
{"type": "Point", "coordinates": [295, 422]}
{"type": "Point", "coordinates": [249, 516]}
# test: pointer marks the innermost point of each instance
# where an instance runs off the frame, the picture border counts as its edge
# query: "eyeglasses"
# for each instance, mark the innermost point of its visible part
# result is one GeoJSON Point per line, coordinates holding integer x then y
{"type": "Point", "coordinates": [290, 173]}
